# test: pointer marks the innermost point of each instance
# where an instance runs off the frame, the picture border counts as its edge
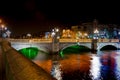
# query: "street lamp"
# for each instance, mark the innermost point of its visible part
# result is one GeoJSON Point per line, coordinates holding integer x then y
{"type": "Point", "coordinates": [2, 26]}
{"type": "Point", "coordinates": [4, 32]}
{"type": "Point", "coordinates": [86, 35]}
{"type": "Point", "coordinates": [55, 40]}
{"type": "Point", "coordinates": [96, 33]}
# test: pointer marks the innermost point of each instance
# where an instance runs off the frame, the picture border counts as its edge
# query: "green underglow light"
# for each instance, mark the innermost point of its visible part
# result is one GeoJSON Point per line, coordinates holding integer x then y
{"type": "Point", "coordinates": [30, 52]}
{"type": "Point", "coordinates": [74, 49]}
{"type": "Point", "coordinates": [61, 53]}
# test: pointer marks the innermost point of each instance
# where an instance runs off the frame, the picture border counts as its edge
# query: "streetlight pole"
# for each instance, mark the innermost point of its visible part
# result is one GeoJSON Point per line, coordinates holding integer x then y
{"type": "Point", "coordinates": [95, 39]}
{"type": "Point", "coordinates": [4, 32]}
{"type": "Point", "coordinates": [2, 29]}
{"type": "Point", "coordinates": [55, 40]}
{"type": "Point", "coordinates": [96, 33]}
{"type": "Point", "coordinates": [55, 49]}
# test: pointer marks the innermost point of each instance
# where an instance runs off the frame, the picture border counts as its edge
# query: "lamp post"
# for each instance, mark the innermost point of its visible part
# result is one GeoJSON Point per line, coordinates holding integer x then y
{"type": "Point", "coordinates": [94, 40]}
{"type": "Point", "coordinates": [96, 34]}
{"type": "Point", "coordinates": [55, 40]}
{"type": "Point", "coordinates": [56, 71]}
{"type": "Point", "coordinates": [4, 32]}
{"type": "Point", "coordinates": [1, 30]}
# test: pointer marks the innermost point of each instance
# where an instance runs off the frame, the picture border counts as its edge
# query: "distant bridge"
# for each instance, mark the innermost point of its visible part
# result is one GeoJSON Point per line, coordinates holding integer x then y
{"type": "Point", "coordinates": [45, 44]}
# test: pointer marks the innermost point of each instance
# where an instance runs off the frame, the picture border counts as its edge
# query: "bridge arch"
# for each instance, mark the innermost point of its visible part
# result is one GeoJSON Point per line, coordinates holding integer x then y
{"type": "Point", "coordinates": [30, 52]}
{"type": "Point", "coordinates": [41, 47]}
{"type": "Point", "coordinates": [63, 45]}
{"type": "Point", "coordinates": [74, 49]}
{"type": "Point", "coordinates": [102, 45]}
{"type": "Point", "coordinates": [33, 53]}
{"type": "Point", "coordinates": [109, 47]}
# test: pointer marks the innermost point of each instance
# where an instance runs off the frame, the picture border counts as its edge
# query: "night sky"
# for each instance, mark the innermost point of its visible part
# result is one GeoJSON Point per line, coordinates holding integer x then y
{"type": "Point", "coordinates": [30, 16]}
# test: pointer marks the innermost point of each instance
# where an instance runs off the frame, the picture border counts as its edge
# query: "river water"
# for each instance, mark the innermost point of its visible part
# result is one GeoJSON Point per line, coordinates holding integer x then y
{"type": "Point", "coordinates": [102, 65]}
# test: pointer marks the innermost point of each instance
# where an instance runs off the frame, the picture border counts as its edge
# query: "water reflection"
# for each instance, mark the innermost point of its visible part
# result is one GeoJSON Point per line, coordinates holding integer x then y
{"type": "Point", "coordinates": [88, 66]}
{"type": "Point", "coordinates": [56, 71]}
{"type": "Point", "coordinates": [117, 71]}
{"type": "Point", "coordinates": [108, 66]}
{"type": "Point", "coordinates": [76, 67]}
{"type": "Point", "coordinates": [95, 67]}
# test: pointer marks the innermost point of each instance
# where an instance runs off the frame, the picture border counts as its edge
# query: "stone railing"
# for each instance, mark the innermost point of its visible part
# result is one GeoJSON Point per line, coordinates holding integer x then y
{"type": "Point", "coordinates": [108, 40]}
{"type": "Point", "coordinates": [75, 40]}
{"type": "Point", "coordinates": [61, 40]}
{"type": "Point", "coordinates": [31, 40]}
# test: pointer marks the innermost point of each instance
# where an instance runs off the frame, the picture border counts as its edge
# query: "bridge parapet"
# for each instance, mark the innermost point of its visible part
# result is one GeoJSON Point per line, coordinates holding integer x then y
{"type": "Point", "coordinates": [49, 40]}
{"type": "Point", "coordinates": [114, 40]}
{"type": "Point", "coordinates": [108, 40]}
{"type": "Point", "coordinates": [44, 44]}
{"type": "Point", "coordinates": [85, 40]}
{"type": "Point", "coordinates": [61, 40]}
{"type": "Point", "coordinates": [75, 40]}
{"type": "Point", "coordinates": [31, 40]}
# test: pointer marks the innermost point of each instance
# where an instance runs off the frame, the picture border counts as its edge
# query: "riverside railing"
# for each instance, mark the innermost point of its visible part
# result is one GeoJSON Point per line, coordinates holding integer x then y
{"type": "Point", "coordinates": [18, 67]}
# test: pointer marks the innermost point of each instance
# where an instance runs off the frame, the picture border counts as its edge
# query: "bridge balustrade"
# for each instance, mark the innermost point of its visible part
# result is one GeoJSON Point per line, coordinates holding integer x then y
{"type": "Point", "coordinates": [85, 40]}
{"type": "Point", "coordinates": [108, 40]}
{"type": "Point", "coordinates": [115, 40]}
{"type": "Point", "coordinates": [18, 40]}
{"type": "Point", "coordinates": [61, 40]}
{"type": "Point", "coordinates": [75, 40]}
{"type": "Point", "coordinates": [41, 40]}
{"type": "Point", "coordinates": [30, 40]}
{"type": "Point", "coordinates": [103, 40]}
{"type": "Point", "coordinates": [67, 40]}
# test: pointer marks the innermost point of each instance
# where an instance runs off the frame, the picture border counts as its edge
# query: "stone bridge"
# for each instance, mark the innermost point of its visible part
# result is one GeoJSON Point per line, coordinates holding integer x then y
{"type": "Point", "coordinates": [46, 44]}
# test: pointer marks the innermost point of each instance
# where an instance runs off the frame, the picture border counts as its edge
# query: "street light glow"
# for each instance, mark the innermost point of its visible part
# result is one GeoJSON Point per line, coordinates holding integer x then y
{"type": "Point", "coordinates": [96, 31]}
{"type": "Point", "coordinates": [4, 32]}
{"type": "Point", "coordinates": [0, 20]}
{"type": "Point", "coordinates": [2, 26]}
{"type": "Point", "coordinates": [57, 29]}
{"type": "Point", "coordinates": [86, 34]}
{"type": "Point", "coordinates": [53, 34]}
